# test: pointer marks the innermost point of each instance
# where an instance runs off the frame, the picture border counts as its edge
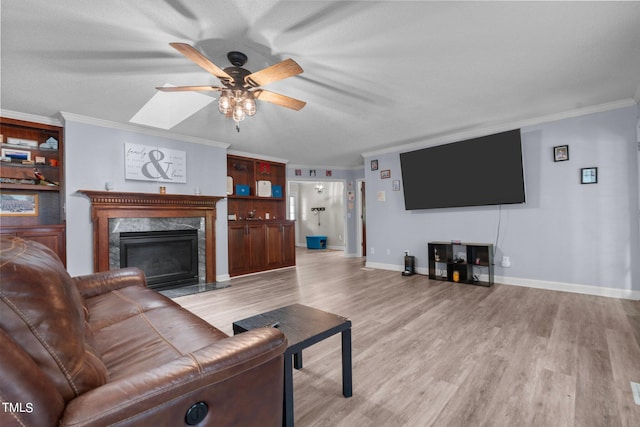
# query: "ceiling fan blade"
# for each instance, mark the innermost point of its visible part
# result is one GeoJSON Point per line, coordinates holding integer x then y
{"type": "Point", "coordinates": [281, 100]}
{"type": "Point", "coordinates": [187, 88]}
{"type": "Point", "coordinates": [279, 71]}
{"type": "Point", "coordinates": [194, 55]}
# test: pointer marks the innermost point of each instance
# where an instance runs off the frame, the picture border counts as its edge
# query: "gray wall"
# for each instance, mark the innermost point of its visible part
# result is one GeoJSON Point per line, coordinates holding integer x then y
{"type": "Point", "coordinates": [567, 235]}
{"type": "Point", "coordinates": [95, 154]}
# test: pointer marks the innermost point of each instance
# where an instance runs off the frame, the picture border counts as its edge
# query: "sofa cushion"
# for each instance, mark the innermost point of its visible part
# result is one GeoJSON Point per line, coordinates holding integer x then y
{"type": "Point", "coordinates": [136, 329]}
{"type": "Point", "coordinates": [44, 313]}
{"type": "Point", "coordinates": [36, 401]}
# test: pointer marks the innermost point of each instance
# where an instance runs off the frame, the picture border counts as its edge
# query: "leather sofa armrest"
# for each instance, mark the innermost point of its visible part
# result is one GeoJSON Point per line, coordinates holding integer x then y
{"type": "Point", "coordinates": [91, 285]}
{"type": "Point", "coordinates": [240, 376]}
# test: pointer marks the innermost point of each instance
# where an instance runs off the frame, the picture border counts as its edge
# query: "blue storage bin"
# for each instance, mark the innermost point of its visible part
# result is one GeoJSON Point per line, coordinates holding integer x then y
{"type": "Point", "coordinates": [276, 191]}
{"type": "Point", "coordinates": [242, 190]}
{"type": "Point", "coordinates": [316, 242]}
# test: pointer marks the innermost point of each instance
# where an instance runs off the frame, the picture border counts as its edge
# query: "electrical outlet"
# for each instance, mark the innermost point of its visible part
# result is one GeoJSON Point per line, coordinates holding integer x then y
{"type": "Point", "coordinates": [506, 262]}
{"type": "Point", "coordinates": [373, 251]}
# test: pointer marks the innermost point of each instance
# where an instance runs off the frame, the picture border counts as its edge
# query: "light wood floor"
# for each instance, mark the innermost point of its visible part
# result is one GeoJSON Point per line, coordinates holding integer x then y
{"type": "Point", "coordinates": [429, 353]}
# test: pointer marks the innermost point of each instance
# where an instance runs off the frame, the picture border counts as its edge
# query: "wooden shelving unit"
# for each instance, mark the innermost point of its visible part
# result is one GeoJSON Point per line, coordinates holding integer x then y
{"type": "Point", "coordinates": [45, 223]}
{"type": "Point", "coordinates": [260, 236]}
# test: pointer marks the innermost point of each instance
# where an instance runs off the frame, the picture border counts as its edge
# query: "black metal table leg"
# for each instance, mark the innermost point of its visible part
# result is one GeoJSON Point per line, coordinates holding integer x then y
{"type": "Point", "coordinates": [347, 389]}
{"type": "Point", "coordinates": [287, 410]}
{"type": "Point", "coordinates": [297, 360]}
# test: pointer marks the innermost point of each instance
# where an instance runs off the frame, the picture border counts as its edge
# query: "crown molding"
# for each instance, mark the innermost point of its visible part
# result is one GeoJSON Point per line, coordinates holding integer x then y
{"type": "Point", "coordinates": [140, 129]}
{"type": "Point", "coordinates": [30, 118]}
{"type": "Point", "coordinates": [257, 156]}
{"type": "Point", "coordinates": [326, 167]}
{"type": "Point", "coordinates": [489, 130]}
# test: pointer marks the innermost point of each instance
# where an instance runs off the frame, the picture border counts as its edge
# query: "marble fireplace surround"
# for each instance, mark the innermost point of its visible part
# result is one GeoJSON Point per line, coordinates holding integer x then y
{"type": "Point", "coordinates": [115, 210]}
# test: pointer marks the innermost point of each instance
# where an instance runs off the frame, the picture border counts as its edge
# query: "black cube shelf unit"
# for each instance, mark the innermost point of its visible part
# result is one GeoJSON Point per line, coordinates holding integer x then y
{"type": "Point", "coordinates": [470, 263]}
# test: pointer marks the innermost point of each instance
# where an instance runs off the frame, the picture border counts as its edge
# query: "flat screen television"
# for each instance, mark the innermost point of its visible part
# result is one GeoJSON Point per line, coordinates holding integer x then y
{"type": "Point", "coordinates": [476, 172]}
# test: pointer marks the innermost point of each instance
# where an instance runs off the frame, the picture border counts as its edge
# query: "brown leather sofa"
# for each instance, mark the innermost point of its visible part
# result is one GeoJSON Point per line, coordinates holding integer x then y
{"type": "Point", "coordinates": [104, 349]}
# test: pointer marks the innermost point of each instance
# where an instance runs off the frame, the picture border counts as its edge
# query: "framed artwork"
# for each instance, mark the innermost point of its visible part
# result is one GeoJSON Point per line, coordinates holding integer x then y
{"type": "Point", "coordinates": [298, 172]}
{"type": "Point", "coordinates": [589, 175]}
{"type": "Point", "coordinates": [396, 185]}
{"type": "Point", "coordinates": [16, 154]}
{"type": "Point", "coordinates": [385, 174]}
{"type": "Point", "coordinates": [328, 173]}
{"type": "Point", "coordinates": [561, 153]}
{"type": "Point", "coordinates": [374, 165]}
{"type": "Point", "coordinates": [19, 204]}
{"type": "Point", "coordinates": [149, 163]}
{"type": "Point", "coordinates": [312, 172]}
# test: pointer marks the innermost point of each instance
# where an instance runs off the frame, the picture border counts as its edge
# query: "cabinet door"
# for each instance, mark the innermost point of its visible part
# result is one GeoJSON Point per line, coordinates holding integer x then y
{"type": "Point", "coordinates": [246, 248]}
{"type": "Point", "coordinates": [256, 241]}
{"type": "Point", "coordinates": [281, 249]}
{"type": "Point", "coordinates": [274, 246]}
{"type": "Point", "coordinates": [288, 244]}
{"type": "Point", "coordinates": [238, 249]}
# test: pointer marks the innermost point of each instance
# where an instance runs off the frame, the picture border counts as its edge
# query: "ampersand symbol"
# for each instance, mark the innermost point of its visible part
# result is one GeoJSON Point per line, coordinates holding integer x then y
{"type": "Point", "coordinates": [155, 161]}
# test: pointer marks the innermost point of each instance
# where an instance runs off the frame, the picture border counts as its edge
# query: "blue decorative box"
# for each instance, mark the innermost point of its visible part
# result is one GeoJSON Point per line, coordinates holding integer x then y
{"type": "Point", "coordinates": [276, 191]}
{"type": "Point", "coordinates": [242, 190]}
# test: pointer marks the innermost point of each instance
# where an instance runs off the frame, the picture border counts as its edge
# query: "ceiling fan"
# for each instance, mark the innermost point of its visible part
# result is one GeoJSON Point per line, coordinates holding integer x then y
{"type": "Point", "coordinates": [240, 87]}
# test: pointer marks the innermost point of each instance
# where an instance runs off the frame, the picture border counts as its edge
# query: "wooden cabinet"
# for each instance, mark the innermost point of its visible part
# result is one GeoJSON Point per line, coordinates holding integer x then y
{"type": "Point", "coordinates": [52, 236]}
{"type": "Point", "coordinates": [260, 245]}
{"type": "Point", "coordinates": [260, 238]}
{"type": "Point", "coordinates": [33, 208]}
{"type": "Point", "coordinates": [246, 247]}
{"type": "Point", "coordinates": [470, 263]}
{"type": "Point", "coordinates": [280, 244]}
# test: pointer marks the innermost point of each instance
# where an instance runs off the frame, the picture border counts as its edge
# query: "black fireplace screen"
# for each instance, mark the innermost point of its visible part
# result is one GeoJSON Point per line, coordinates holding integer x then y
{"type": "Point", "coordinates": [169, 259]}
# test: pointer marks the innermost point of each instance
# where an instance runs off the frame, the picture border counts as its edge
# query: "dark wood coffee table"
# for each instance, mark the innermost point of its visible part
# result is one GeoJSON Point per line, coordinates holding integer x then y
{"type": "Point", "coordinates": [303, 326]}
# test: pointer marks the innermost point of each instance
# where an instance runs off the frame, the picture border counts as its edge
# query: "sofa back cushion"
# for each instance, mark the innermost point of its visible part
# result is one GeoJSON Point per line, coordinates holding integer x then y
{"type": "Point", "coordinates": [44, 313]}
{"type": "Point", "coordinates": [29, 397]}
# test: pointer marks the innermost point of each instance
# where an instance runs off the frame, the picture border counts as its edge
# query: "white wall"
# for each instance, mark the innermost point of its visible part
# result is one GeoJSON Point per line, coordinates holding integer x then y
{"type": "Point", "coordinates": [349, 179]}
{"type": "Point", "coordinates": [567, 236]}
{"type": "Point", "coordinates": [94, 154]}
{"type": "Point", "coordinates": [329, 222]}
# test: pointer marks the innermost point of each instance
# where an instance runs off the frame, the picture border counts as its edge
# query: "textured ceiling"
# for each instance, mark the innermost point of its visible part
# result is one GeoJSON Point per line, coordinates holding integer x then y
{"type": "Point", "coordinates": [376, 74]}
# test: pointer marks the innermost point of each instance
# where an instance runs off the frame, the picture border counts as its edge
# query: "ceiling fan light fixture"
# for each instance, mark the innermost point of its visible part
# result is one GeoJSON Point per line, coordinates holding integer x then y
{"type": "Point", "coordinates": [225, 102]}
{"type": "Point", "coordinates": [236, 98]}
{"type": "Point", "coordinates": [238, 113]}
{"type": "Point", "coordinates": [249, 105]}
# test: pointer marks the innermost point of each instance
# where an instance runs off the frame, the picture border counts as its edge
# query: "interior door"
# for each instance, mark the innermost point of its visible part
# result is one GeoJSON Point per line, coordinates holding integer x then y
{"type": "Point", "coordinates": [363, 217]}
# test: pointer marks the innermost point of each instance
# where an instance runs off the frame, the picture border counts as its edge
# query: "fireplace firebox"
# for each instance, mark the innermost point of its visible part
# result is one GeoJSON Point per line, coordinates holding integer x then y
{"type": "Point", "coordinates": [169, 259]}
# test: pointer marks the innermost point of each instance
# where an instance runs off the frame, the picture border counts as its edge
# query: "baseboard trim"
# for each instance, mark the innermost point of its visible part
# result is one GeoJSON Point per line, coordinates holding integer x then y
{"type": "Point", "coordinates": [570, 287]}
{"type": "Point", "coordinates": [352, 255]}
{"type": "Point", "coordinates": [537, 284]}
{"type": "Point", "coordinates": [223, 278]}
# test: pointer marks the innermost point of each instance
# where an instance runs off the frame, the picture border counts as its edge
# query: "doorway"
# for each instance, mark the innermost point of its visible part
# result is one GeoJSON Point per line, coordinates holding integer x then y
{"type": "Point", "coordinates": [318, 208]}
{"type": "Point", "coordinates": [361, 222]}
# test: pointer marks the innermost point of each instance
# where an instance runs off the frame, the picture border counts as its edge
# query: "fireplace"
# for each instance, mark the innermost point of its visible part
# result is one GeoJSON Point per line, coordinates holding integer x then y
{"type": "Point", "coordinates": [109, 206]}
{"type": "Point", "coordinates": [169, 258]}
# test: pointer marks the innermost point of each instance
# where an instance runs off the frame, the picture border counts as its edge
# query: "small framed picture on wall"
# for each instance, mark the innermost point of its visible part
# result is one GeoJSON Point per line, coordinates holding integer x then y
{"type": "Point", "coordinates": [589, 175]}
{"type": "Point", "coordinates": [561, 153]}
{"type": "Point", "coordinates": [374, 165]}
